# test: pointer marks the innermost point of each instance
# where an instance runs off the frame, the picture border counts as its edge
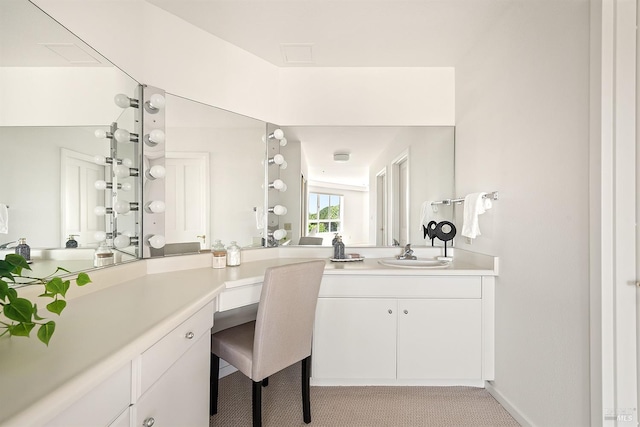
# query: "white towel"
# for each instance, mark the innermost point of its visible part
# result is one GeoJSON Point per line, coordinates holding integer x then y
{"type": "Point", "coordinates": [4, 218]}
{"type": "Point", "coordinates": [474, 205]}
{"type": "Point", "coordinates": [427, 212]}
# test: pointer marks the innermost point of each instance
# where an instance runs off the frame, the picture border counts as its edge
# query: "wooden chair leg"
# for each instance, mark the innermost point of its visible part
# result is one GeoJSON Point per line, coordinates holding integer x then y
{"type": "Point", "coordinates": [213, 388]}
{"type": "Point", "coordinates": [257, 403]}
{"type": "Point", "coordinates": [306, 395]}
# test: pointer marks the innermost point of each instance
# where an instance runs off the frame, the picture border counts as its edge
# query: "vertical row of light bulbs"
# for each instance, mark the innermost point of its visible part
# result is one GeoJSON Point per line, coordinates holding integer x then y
{"type": "Point", "coordinates": [123, 168]}
{"type": "Point", "coordinates": [277, 184]}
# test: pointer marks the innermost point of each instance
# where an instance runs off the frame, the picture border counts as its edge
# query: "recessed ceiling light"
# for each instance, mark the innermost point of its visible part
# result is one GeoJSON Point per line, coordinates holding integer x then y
{"type": "Point", "coordinates": [341, 157]}
{"type": "Point", "coordinates": [297, 53]}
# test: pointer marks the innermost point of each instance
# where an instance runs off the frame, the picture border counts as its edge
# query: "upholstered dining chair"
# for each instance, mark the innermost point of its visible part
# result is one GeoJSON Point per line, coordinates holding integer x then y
{"type": "Point", "coordinates": [279, 337]}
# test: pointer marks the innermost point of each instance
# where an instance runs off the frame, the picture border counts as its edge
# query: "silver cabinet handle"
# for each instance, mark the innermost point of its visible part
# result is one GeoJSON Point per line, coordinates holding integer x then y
{"type": "Point", "coordinates": [188, 336]}
{"type": "Point", "coordinates": [148, 422]}
{"type": "Point", "coordinates": [406, 312]}
{"type": "Point", "coordinates": [390, 311]}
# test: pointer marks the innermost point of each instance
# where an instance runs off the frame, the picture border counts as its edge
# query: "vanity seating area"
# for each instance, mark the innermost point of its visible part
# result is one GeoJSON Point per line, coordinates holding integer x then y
{"type": "Point", "coordinates": [135, 344]}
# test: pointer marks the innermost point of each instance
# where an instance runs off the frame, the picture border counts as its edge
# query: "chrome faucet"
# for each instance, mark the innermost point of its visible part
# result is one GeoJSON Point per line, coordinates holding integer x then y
{"type": "Point", "coordinates": [407, 254]}
{"type": "Point", "coordinates": [6, 245]}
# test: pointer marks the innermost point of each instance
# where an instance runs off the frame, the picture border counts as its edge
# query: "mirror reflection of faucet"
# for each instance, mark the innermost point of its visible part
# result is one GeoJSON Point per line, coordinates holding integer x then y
{"type": "Point", "coordinates": [6, 245]}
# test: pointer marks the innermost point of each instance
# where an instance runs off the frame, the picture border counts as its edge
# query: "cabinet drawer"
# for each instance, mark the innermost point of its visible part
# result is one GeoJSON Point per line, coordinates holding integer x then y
{"type": "Point", "coordinates": [158, 358]}
{"type": "Point", "coordinates": [401, 286]}
{"type": "Point", "coordinates": [100, 406]}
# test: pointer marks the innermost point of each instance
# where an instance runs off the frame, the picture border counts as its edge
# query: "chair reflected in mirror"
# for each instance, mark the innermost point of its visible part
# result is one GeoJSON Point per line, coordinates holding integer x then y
{"type": "Point", "coordinates": [308, 240]}
{"type": "Point", "coordinates": [279, 337]}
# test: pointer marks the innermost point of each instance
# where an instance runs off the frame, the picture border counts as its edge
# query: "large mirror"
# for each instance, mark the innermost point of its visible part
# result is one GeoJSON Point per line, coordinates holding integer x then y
{"type": "Point", "coordinates": [56, 91]}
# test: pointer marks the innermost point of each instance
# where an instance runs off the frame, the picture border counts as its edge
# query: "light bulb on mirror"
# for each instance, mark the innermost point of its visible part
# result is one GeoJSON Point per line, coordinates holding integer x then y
{"type": "Point", "coordinates": [122, 241]}
{"type": "Point", "coordinates": [123, 135]}
{"type": "Point", "coordinates": [279, 234]}
{"type": "Point", "coordinates": [127, 162]}
{"type": "Point", "coordinates": [100, 236]}
{"type": "Point", "coordinates": [101, 185]}
{"type": "Point", "coordinates": [278, 134]}
{"type": "Point", "coordinates": [284, 188]}
{"type": "Point", "coordinates": [100, 133]}
{"type": "Point", "coordinates": [283, 165]}
{"type": "Point", "coordinates": [155, 103]}
{"type": "Point", "coordinates": [283, 142]}
{"type": "Point", "coordinates": [101, 160]}
{"type": "Point", "coordinates": [156, 241]}
{"type": "Point", "coordinates": [102, 211]}
{"type": "Point", "coordinates": [279, 210]}
{"type": "Point", "coordinates": [156, 171]}
{"type": "Point", "coordinates": [125, 186]}
{"type": "Point", "coordinates": [123, 101]}
{"type": "Point", "coordinates": [278, 184]}
{"type": "Point", "coordinates": [155, 206]}
{"type": "Point", "coordinates": [155, 137]}
{"type": "Point", "coordinates": [278, 159]}
{"type": "Point", "coordinates": [121, 171]}
{"type": "Point", "coordinates": [122, 207]}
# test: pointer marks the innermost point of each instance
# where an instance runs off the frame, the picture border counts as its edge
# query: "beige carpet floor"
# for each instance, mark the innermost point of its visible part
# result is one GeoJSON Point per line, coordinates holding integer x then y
{"type": "Point", "coordinates": [357, 406]}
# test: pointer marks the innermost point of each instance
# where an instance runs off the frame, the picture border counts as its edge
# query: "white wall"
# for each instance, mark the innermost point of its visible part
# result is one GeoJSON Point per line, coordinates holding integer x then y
{"type": "Point", "coordinates": [522, 98]}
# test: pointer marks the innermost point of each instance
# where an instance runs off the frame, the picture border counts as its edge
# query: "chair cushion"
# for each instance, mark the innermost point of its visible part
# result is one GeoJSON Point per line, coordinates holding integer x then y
{"type": "Point", "coordinates": [235, 345]}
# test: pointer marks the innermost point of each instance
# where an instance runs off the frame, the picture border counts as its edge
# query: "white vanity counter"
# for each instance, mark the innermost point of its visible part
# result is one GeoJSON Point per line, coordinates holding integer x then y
{"type": "Point", "coordinates": [110, 323]}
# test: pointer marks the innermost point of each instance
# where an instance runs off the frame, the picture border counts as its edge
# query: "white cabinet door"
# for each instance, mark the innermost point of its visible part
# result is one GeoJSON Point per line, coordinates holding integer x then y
{"type": "Point", "coordinates": [181, 396]}
{"type": "Point", "coordinates": [440, 339]}
{"type": "Point", "coordinates": [355, 338]}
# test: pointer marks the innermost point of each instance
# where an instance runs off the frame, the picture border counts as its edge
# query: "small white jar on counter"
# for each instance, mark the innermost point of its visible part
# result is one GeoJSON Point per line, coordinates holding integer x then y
{"type": "Point", "coordinates": [233, 254]}
{"type": "Point", "coordinates": [219, 255]}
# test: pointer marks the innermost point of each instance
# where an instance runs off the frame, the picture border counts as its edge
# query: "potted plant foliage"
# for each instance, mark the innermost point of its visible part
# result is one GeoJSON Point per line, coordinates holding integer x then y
{"type": "Point", "coordinates": [19, 316]}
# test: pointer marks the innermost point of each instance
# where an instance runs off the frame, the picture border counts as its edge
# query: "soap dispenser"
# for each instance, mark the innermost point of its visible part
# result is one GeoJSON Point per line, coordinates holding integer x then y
{"type": "Point", "coordinates": [71, 243]}
{"type": "Point", "coordinates": [23, 249]}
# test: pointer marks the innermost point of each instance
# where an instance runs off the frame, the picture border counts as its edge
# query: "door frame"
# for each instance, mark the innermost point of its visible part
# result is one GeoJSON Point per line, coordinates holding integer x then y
{"type": "Point", "coordinates": [394, 182]}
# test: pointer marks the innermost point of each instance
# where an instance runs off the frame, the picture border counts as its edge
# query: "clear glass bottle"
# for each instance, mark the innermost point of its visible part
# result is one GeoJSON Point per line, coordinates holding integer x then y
{"type": "Point", "coordinates": [338, 248]}
{"type": "Point", "coordinates": [103, 256]}
{"type": "Point", "coordinates": [233, 254]}
{"type": "Point", "coordinates": [219, 255]}
{"type": "Point", "coordinates": [23, 249]}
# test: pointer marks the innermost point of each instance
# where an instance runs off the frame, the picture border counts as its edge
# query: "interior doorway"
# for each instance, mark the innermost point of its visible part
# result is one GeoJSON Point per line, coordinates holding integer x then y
{"type": "Point", "coordinates": [400, 199]}
{"type": "Point", "coordinates": [381, 209]}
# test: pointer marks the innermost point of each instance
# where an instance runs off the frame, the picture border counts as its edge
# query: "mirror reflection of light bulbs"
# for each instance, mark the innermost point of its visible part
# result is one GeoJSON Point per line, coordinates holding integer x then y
{"type": "Point", "coordinates": [279, 210]}
{"type": "Point", "coordinates": [122, 241]}
{"type": "Point", "coordinates": [156, 171]}
{"type": "Point", "coordinates": [100, 160]}
{"type": "Point", "coordinates": [122, 100]}
{"type": "Point", "coordinates": [126, 186]}
{"type": "Point", "coordinates": [278, 159]}
{"type": "Point", "coordinates": [122, 207]}
{"type": "Point", "coordinates": [156, 241]}
{"type": "Point", "coordinates": [279, 234]}
{"type": "Point", "coordinates": [100, 236]}
{"type": "Point", "coordinates": [127, 162]}
{"type": "Point", "coordinates": [156, 206]}
{"type": "Point", "coordinates": [283, 142]}
{"type": "Point", "coordinates": [123, 135]}
{"type": "Point", "coordinates": [278, 134]}
{"type": "Point", "coordinates": [156, 102]}
{"type": "Point", "coordinates": [284, 165]}
{"type": "Point", "coordinates": [277, 184]}
{"type": "Point", "coordinates": [121, 171]}
{"type": "Point", "coordinates": [284, 187]}
{"type": "Point", "coordinates": [101, 185]}
{"type": "Point", "coordinates": [100, 133]}
{"type": "Point", "coordinates": [101, 210]}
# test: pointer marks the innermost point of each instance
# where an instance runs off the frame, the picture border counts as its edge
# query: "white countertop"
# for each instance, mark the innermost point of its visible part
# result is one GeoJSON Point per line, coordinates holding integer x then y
{"type": "Point", "coordinates": [108, 325]}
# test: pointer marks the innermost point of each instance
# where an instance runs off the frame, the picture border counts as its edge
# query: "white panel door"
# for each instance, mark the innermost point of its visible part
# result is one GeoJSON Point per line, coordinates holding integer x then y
{"type": "Point", "coordinates": [80, 197]}
{"type": "Point", "coordinates": [187, 198]}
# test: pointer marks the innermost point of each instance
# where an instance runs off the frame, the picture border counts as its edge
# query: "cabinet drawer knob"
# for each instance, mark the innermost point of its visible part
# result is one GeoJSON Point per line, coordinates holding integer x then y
{"type": "Point", "coordinates": [149, 422]}
{"type": "Point", "coordinates": [390, 311]}
{"type": "Point", "coordinates": [189, 335]}
{"type": "Point", "coordinates": [406, 312]}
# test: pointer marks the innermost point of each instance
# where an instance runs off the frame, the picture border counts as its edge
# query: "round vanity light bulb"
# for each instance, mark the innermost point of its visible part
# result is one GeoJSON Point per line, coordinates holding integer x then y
{"type": "Point", "coordinates": [279, 234]}
{"type": "Point", "coordinates": [284, 187]}
{"type": "Point", "coordinates": [126, 186]}
{"type": "Point", "coordinates": [122, 135]}
{"type": "Point", "coordinates": [157, 171]}
{"type": "Point", "coordinates": [157, 101]}
{"type": "Point", "coordinates": [122, 100]}
{"type": "Point", "coordinates": [278, 159]}
{"type": "Point", "coordinates": [100, 210]}
{"type": "Point", "coordinates": [121, 171]}
{"type": "Point", "coordinates": [157, 241]}
{"type": "Point", "coordinates": [122, 207]}
{"type": "Point", "coordinates": [127, 162]}
{"type": "Point", "coordinates": [100, 133]}
{"type": "Point", "coordinates": [283, 142]}
{"type": "Point", "coordinates": [122, 241]}
{"type": "Point", "coordinates": [278, 184]}
{"type": "Point", "coordinates": [156, 136]}
{"type": "Point", "coordinates": [278, 134]}
{"type": "Point", "coordinates": [156, 206]}
{"type": "Point", "coordinates": [284, 165]}
{"type": "Point", "coordinates": [100, 185]}
{"type": "Point", "coordinates": [100, 236]}
{"type": "Point", "coordinates": [279, 210]}
{"type": "Point", "coordinates": [100, 160]}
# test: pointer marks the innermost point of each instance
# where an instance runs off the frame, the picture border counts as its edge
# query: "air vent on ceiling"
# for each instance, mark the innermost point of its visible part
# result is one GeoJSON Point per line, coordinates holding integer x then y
{"type": "Point", "coordinates": [72, 53]}
{"type": "Point", "coordinates": [297, 53]}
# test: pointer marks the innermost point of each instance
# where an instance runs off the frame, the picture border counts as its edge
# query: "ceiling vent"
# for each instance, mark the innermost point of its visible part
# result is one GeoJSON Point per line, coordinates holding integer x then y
{"type": "Point", "coordinates": [297, 53]}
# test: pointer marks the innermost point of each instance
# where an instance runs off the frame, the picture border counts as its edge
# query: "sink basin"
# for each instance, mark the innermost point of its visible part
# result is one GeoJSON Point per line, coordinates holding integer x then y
{"type": "Point", "coordinates": [415, 263]}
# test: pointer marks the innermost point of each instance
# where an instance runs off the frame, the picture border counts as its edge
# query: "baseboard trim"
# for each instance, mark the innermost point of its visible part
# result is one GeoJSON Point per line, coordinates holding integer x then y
{"type": "Point", "coordinates": [506, 403]}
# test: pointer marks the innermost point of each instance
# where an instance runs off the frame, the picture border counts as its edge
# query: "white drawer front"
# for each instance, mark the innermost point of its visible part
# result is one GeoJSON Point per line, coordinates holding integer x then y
{"type": "Point", "coordinates": [158, 358]}
{"type": "Point", "coordinates": [401, 286]}
{"type": "Point", "coordinates": [100, 406]}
